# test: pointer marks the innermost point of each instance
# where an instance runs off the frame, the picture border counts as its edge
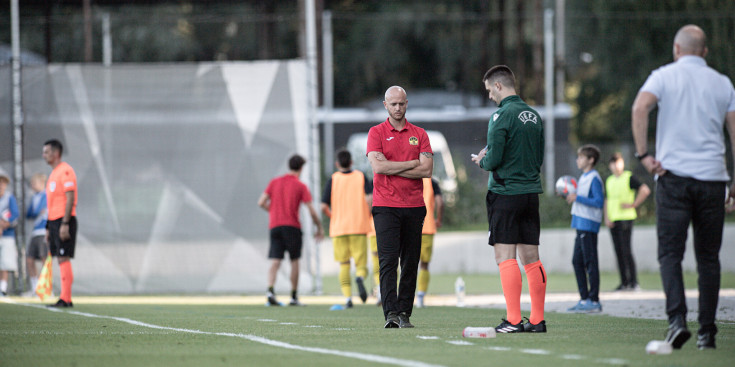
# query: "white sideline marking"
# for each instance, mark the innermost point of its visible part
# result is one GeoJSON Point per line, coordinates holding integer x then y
{"type": "Point", "coordinates": [616, 361]}
{"type": "Point", "coordinates": [459, 342]}
{"type": "Point", "coordinates": [427, 337]}
{"type": "Point", "coordinates": [254, 338]}
{"type": "Point", "coordinates": [499, 349]}
{"type": "Point", "coordinates": [535, 351]}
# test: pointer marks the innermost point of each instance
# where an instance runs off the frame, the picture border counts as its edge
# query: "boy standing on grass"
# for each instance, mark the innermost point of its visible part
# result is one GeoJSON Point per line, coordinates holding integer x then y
{"type": "Point", "coordinates": [624, 194]}
{"type": "Point", "coordinates": [8, 216]}
{"type": "Point", "coordinates": [587, 206]}
{"type": "Point", "coordinates": [37, 249]}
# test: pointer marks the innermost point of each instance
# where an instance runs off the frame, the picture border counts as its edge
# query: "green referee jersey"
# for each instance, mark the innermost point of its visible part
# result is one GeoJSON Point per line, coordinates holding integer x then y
{"type": "Point", "coordinates": [515, 141]}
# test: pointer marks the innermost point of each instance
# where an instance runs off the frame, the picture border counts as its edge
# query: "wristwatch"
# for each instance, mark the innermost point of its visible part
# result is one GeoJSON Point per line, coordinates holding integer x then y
{"type": "Point", "coordinates": [641, 156]}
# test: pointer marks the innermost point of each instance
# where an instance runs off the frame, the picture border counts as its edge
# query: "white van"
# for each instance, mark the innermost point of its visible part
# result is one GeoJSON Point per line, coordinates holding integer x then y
{"type": "Point", "coordinates": [443, 164]}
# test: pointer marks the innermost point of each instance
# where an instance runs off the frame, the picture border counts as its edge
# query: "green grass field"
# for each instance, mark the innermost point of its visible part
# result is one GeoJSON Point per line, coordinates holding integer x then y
{"type": "Point", "coordinates": [229, 331]}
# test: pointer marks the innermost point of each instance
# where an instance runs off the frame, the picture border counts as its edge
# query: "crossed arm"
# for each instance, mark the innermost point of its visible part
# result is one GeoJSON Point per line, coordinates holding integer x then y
{"type": "Point", "coordinates": [415, 169]}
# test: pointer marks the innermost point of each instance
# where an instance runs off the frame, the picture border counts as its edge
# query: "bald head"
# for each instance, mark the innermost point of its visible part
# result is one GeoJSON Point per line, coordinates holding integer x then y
{"type": "Point", "coordinates": [395, 103]}
{"type": "Point", "coordinates": [690, 40]}
{"type": "Point", "coordinates": [395, 91]}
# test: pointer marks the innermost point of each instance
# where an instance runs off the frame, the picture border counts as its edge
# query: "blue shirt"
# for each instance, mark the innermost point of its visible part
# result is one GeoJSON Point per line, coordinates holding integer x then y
{"type": "Point", "coordinates": [9, 212]}
{"type": "Point", "coordinates": [693, 100]}
{"type": "Point", "coordinates": [38, 212]}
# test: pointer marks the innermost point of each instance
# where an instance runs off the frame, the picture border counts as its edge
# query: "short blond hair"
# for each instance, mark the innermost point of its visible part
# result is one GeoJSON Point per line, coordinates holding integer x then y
{"type": "Point", "coordinates": [39, 177]}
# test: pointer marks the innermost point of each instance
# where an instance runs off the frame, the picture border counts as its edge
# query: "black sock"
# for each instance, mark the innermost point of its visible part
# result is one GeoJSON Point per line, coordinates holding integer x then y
{"type": "Point", "coordinates": [293, 294]}
{"type": "Point", "coordinates": [271, 291]}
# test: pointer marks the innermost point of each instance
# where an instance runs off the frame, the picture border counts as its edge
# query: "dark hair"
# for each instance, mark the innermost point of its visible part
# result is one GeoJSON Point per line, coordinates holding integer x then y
{"type": "Point", "coordinates": [344, 158]}
{"type": "Point", "coordinates": [615, 157]}
{"type": "Point", "coordinates": [296, 162]}
{"type": "Point", "coordinates": [55, 145]}
{"type": "Point", "coordinates": [590, 151]}
{"type": "Point", "coordinates": [502, 74]}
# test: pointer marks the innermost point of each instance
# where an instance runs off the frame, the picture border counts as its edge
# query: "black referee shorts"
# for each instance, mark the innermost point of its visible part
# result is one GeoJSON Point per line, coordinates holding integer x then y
{"type": "Point", "coordinates": [513, 219]}
{"type": "Point", "coordinates": [55, 244]}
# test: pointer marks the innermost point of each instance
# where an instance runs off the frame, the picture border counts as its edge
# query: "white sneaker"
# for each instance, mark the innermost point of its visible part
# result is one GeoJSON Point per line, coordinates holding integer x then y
{"type": "Point", "coordinates": [419, 301]}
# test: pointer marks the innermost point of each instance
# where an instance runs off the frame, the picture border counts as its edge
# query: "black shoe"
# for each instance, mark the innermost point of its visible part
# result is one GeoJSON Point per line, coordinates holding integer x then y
{"type": "Point", "coordinates": [361, 289]}
{"type": "Point", "coordinates": [620, 288]}
{"type": "Point", "coordinates": [349, 304]}
{"type": "Point", "coordinates": [528, 327]}
{"type": "Point", "coordinates": [507, 327]}
{"type": "Point", "coordinates": [706, 339]}
{"type": "Point", "coordinates": [62, 304]}
{"type": "Point", "coordinates": [392, 321]}
{"type": "Point", "coordinates": [295, 302]}
{"type": "Point", "coordinates": [403, 321]}
{"type": "Point", "coordinates": [272, 300]}
{"type": "Point", "coordinates": [678, 333]}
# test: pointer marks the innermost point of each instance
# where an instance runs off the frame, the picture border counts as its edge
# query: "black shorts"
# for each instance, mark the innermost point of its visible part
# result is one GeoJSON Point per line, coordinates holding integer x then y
{"type": "Point", "coordinates": [55, 244]}
{"type": "Point", "coordinates": [285, 238]}
{"type": "Point", "coordinates": [513, 219]}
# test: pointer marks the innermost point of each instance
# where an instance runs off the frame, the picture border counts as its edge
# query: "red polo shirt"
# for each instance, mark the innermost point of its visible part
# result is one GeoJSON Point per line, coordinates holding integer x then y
{"type": "Point", "coordinates": [398, 146]}
{"type": "Point", "coordinates": [286, 193]}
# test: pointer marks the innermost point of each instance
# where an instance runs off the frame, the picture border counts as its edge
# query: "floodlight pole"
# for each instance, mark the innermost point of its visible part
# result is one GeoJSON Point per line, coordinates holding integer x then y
{"type": "Point", "coordinates": [18, 174]}
{"type": "Point", "coordinates": [549, 156]}
{"type": "Point", "coordinates": [328, 89]}
{"type": "Point", "coordinates": [311, 80]}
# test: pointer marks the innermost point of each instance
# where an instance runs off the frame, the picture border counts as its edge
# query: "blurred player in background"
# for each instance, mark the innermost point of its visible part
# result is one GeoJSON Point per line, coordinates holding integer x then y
{"type": "Point", "coordinates": [8, 217]}
{"type": "Point", "coordinates": [37, 249]}
{"type": "Point", "coordinates": [623, 194]}
{"type": "Point", "coordinates": [282, 199]}
{"type": "Point", "coordinates": [61, 230]}
{"type": "Point", "coordinates": [432, 222]}
{"type": "Point", "coordinates": [694, 101]}
{"type": "Point", "coordinates": [514, 154]}
{"type": "Point", "coordinates": [400, 155]}
{"type": "Point", "coordinates": [346, 201]}
{"type": "Point", "coordinates": [373, 245]}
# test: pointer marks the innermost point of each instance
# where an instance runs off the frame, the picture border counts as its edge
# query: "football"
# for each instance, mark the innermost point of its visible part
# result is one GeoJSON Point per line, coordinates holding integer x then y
{"type": "Point", "coordinates": [566, 185]}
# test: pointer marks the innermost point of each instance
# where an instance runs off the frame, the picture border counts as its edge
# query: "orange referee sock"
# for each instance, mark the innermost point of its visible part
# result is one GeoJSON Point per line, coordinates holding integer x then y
{"type": "Point", "coordinates": [536, 275]}
{"type": "Point", "coordinates": [67, 278]}
{"type": "Point", "coordinates": [510, 278]}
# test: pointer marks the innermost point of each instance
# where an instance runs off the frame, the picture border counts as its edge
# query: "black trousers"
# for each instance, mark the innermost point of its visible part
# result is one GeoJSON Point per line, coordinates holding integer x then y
{"type": "Point", "coordinates": [621, 234]}
{"type": "Point", "coordinates": [398, 232]}
{"type": "Point", "coordinates": [586, 265]}
{"type": "Point", "coordinates": [682, 200]}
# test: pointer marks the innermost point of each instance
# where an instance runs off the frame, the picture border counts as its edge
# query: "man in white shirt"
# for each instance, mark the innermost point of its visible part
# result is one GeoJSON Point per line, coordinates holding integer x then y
{"type": "Point", "coordinates": [694, 101]}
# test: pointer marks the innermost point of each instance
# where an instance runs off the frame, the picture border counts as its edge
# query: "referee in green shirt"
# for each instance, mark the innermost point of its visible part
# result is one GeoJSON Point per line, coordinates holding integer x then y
{"type": "Point", "coordinates": [515, 152]}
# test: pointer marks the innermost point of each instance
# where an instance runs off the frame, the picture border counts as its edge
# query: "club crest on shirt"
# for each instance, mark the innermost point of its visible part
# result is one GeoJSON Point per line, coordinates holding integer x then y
{"type": "Point", "coordinates": [413, 140]}
{"type": "Point", "coordinates": [528, 116]}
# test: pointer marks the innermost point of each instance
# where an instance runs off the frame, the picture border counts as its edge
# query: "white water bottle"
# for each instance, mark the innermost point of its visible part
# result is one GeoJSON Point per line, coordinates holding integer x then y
{"type": "Point", "coordinates": [459, 291]}
{"type": "Point", "coordinates": [658, 347]}
{"type": "Point", "coordinates": [478, 332]}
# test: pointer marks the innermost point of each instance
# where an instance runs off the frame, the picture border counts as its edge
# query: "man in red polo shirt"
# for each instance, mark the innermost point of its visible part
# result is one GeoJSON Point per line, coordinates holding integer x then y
{"type": "Point", "coordinates": [282, 199]}
{"type": "Point", "coordinates": [400, 155]}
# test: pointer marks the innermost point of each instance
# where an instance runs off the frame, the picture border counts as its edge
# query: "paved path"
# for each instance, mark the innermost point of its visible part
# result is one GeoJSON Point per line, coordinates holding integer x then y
{"type": "Point", "coordinates": [643, 304]}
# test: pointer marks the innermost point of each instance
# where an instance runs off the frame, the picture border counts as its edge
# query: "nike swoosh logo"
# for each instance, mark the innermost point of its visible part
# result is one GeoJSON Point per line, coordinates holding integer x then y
{"type": "Point", "coordinates": [389, 139]}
